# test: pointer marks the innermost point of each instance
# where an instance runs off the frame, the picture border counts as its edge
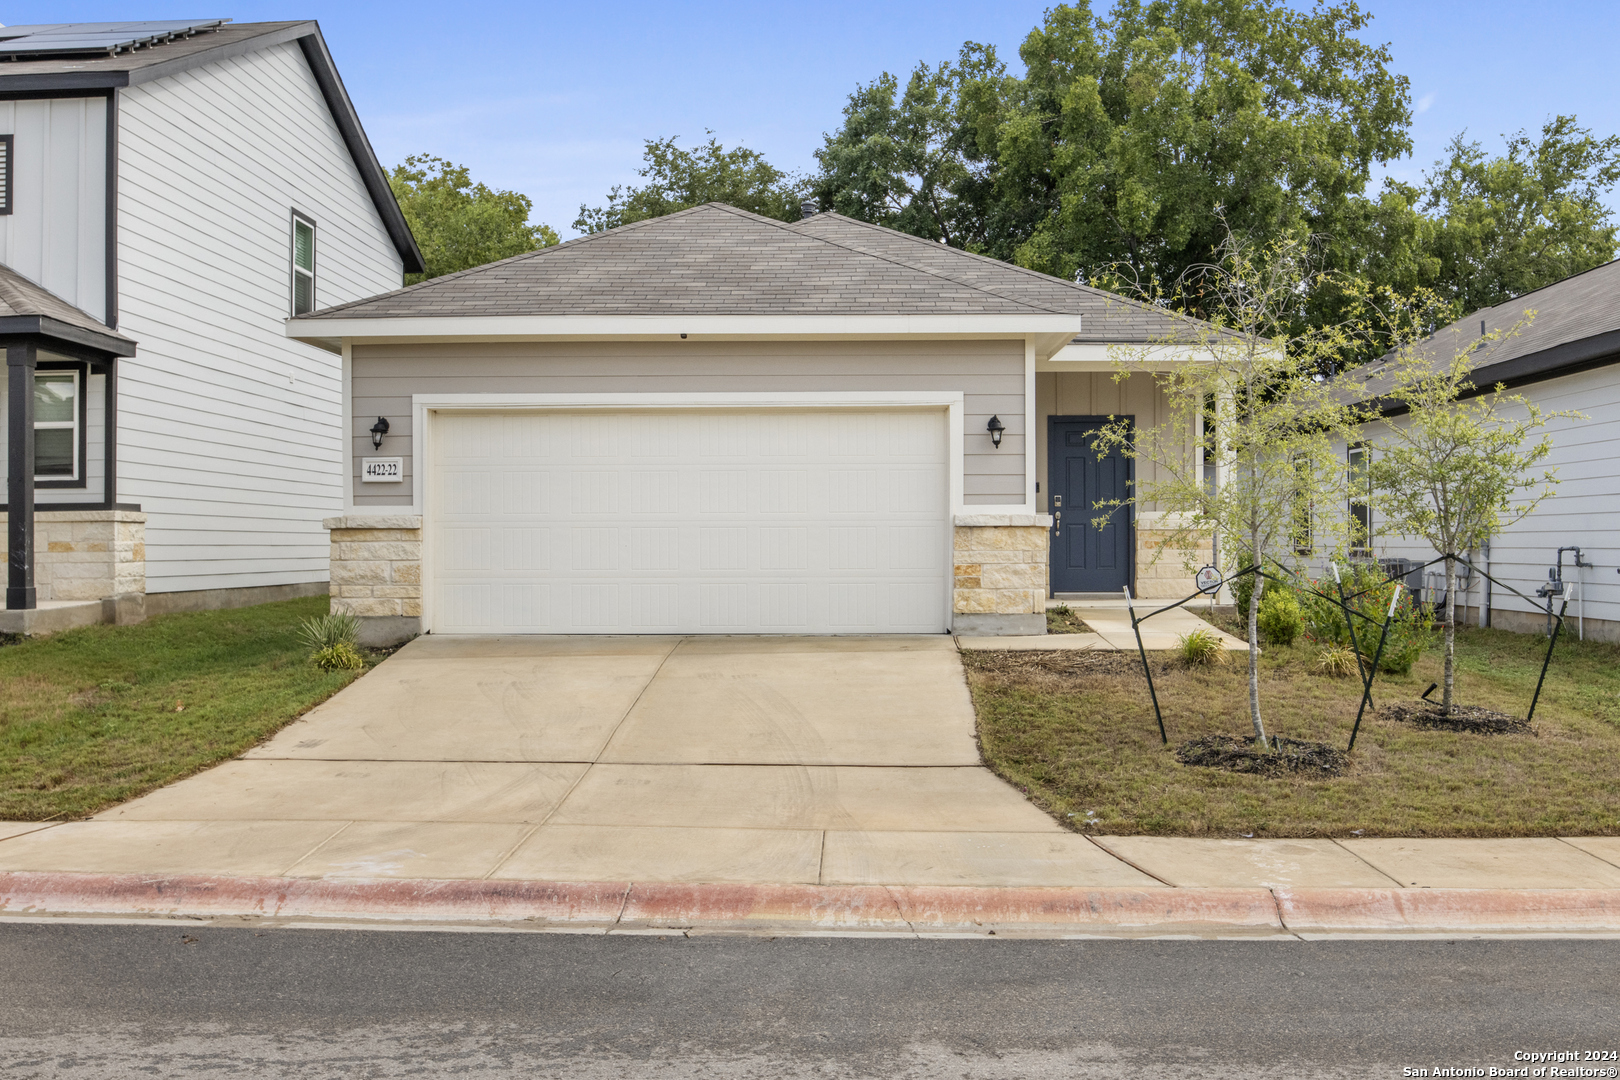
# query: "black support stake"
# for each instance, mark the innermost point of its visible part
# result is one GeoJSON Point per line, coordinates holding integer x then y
{"type": "Point", "coordinates": [1141, 651]}
{"type": "Point", "coordinates": [1355, 644]}
{"type": "Point", "coordinates": [21, 359]}
{"type": "Point", "coordinates": [1552, 639]}
{"type": "Point", "coordinates": [1366, 691]}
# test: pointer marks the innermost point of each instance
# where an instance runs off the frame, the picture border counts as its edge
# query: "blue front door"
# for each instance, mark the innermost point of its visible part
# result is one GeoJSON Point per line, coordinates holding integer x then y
{"type": "Point", "coordinates": [1085, 558]}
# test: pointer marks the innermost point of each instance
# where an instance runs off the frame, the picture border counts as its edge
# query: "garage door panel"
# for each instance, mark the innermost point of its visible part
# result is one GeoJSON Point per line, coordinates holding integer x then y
{"type": "Point", "coordinates": [689, 522]}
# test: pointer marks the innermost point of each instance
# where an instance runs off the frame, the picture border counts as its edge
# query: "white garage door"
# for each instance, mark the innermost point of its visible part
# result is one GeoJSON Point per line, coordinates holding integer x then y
{"type": "Point", "coordinates": [720, 522]}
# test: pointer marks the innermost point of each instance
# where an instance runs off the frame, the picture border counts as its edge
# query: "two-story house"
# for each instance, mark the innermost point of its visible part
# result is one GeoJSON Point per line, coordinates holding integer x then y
{"type": "Point", "coordinates": [170, 193]}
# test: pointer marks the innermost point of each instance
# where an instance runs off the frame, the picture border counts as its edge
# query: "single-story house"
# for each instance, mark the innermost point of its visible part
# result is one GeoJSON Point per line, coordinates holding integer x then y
{"type": "Point", "coordinates": [170, 192]}
{"type": "Point", "coordinates": [1564, 358]}
{"type": "Point", "coordinates": [715, 422]}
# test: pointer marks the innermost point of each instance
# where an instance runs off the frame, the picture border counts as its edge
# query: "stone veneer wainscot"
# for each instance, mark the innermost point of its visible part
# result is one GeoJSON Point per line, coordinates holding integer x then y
{"type": "Point", "coordinates": [1000, 573]}
{"type": "Point", "coordinates": [87, 554]}
{"type": "Point", "coordinates": [377, 573]}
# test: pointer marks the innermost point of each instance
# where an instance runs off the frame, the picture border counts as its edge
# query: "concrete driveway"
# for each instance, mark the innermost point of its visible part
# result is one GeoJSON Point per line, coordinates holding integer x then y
{"type": "Point", "coordinates": [815, 760]}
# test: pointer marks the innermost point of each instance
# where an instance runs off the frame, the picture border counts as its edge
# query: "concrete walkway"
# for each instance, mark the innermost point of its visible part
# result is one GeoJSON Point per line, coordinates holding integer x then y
{"type": "Point", "coordinates": [1110, 624]}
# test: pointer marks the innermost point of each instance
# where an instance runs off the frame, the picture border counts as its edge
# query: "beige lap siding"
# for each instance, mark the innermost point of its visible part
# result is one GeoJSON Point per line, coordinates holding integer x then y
{"type": "Point", "coordinates": [376, 565]}
{"type": "Point", "coordinates": [86, 554]}
{"type": "Point", "coordinates": [1000, 569]}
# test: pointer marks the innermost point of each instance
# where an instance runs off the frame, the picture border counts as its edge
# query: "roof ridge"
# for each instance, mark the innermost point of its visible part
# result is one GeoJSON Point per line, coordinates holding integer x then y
{"type": "Point", "coordinates": [789, 226]}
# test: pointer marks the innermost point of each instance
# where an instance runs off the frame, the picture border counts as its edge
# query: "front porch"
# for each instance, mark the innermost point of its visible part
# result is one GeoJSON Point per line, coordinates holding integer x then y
{"type": "Point", "coordinates": [74, 554]}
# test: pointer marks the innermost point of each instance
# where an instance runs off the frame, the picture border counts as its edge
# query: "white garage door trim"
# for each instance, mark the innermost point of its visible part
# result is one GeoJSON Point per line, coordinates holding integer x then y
{"type": "Point", "coordinates": [427, 407]}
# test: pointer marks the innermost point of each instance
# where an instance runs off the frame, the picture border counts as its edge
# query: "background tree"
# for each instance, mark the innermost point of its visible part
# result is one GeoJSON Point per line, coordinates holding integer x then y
{"type": "Point", "coordinates": [1507, 225]}
{"type": "Point", "coordinates": [678, 179]}
{"type": "Point", "coordinates": [459, 224]}
{"type": "Point", "coordinates": [1459, 466]}
{"type": "Point", "coordinates": [1268, 420]}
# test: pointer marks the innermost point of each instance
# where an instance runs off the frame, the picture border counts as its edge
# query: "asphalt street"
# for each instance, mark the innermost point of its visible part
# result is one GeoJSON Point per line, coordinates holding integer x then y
{"type": "Point", "coordinates": [111, 1000]}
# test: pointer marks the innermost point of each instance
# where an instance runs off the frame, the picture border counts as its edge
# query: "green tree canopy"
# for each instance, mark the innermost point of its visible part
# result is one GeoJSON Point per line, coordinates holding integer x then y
{"type": "Point", "coordinates": [459, 224]}
{"type": "Point", "coordinates": [678, 179]}
{"type": "Point", "coordinates": [1504, 226]}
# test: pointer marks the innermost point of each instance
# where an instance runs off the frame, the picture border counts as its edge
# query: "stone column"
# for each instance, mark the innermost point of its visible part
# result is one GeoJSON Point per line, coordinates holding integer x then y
{"type": "Point", "coordinates": [377, 574]}
{"type": "Point", "coordinates": [1001, 574]}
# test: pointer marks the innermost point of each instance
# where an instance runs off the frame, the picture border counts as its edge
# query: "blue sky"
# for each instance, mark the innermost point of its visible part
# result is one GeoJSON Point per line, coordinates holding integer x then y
{"type": "Point", "coordinates": [554, 99]}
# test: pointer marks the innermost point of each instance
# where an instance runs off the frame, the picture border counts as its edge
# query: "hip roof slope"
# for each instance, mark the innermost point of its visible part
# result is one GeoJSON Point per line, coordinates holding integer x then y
{"type": "Point", "coordinates": [718, 260]}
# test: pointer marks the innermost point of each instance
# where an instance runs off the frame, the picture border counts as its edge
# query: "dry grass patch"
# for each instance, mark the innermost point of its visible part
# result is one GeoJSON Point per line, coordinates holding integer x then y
{"type": "Point", "coordinates": [1076, 732]}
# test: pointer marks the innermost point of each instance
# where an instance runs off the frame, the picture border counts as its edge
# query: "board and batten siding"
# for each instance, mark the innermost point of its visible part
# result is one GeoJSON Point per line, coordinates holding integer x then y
{"type": "Point", "coordinates": [990, 375]}
{"type": "Point", "coordinates": [55, 234]}
{"type": "Point", "coordinates": [1583, 510]}
{"type": "Point", "coordinates": [1097, 393]}
{"type": "Point", "coordinates": [230, 433]}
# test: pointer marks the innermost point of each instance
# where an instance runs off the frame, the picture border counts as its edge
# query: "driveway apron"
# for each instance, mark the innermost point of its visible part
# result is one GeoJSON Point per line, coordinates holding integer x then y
{"type": "Point", "coordinates": [830, 760]}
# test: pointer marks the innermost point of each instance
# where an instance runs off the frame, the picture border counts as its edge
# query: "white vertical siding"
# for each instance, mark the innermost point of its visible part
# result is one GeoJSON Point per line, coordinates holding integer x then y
{"type": "Point", "coordinates": [229, 432]}
{"type": "Point", "coordinates": [1584, 509]}
{"type": "Point", "coordinates": [55, 234]}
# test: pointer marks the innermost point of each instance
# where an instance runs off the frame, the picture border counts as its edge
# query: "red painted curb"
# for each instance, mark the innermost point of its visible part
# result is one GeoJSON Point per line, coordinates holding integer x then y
{"type": "Point", "coordinates": [819, 907]}
{"type": "Point", "coordinates": [133, 894]}
{"type": "Point", "coordinates": [1571, 910]}
{"type": "Point", "coordinates": [1167, 910]}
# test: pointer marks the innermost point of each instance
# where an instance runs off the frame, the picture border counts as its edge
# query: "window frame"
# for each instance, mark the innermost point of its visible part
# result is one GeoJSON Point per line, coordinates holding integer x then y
{"type": "Point", "coordinates": [1363, 545]}
{"type": "Point", "coordinates": [80, 424]}
{"type": "Point", "coordinates": [10, 143]}
{"type": "Point", "coordinates": [1303, 525]}
{"type": "Point", "coordinates": [298, 217]}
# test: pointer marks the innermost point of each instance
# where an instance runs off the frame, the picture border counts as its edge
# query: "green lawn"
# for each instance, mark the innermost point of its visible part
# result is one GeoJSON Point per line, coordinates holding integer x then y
{"type": "Point", "coordinates": [92, 717]}
{"type": "Point", "coordinates": [1076, 732]}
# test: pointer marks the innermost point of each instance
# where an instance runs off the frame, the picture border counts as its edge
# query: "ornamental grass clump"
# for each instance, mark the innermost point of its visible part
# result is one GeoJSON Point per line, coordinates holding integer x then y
{"type": "Point", "coordinates": [1338, 661]}
{"type": "Point", "coordinates": [1202, 647]}
{"type": "Point", "coordinates": [333, 641]}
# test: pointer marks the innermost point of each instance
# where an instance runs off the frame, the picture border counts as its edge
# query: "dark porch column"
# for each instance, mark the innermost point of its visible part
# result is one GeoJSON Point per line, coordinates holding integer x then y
{"type": "Point", "coordinates": [109, 456]}
{"type": "Point", "coordinates": [21, 358]}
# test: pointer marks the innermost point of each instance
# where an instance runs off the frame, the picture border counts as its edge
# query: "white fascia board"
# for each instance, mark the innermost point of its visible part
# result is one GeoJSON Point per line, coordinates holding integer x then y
{"type": "Point", "coordinates": [1049, 331]}
{"type": "Point", "coordinates": [1092, 356]}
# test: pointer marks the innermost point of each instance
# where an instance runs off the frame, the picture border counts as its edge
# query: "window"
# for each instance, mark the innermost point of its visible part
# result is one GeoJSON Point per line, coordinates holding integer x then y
{"type": "Point", "coordinates": [1360, 493]}
{"type": "Point", "coordinates": [1303, 540]}
{"type": "Point", "coordinates": [303, 264]}
{"type": "Point", "coordinates": [5, 173]}
{"type": "Point", "coordinates": [57, 423]}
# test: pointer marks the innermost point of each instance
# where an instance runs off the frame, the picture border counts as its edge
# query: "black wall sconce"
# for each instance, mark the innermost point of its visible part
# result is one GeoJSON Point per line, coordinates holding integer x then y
{"type": "Point", "coordinates": [378, 430]}
{"type": "Point", "coordinates": [995, 427]}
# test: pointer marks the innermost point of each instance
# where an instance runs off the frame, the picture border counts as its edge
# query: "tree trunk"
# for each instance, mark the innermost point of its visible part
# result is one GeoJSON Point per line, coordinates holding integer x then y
{"type": "Point", "coordinates": [1254, 642]}
{"type": "Point", "coordinates": [1451, 633]}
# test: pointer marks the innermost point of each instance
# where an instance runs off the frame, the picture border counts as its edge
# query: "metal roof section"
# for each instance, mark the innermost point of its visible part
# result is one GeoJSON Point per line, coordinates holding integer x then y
{"type": "Point", "coordinates": [96, 39]}
{"type": "Point", "coordinates": [29, 308]}
{"type": "Point", "coordinates": [54, 75]}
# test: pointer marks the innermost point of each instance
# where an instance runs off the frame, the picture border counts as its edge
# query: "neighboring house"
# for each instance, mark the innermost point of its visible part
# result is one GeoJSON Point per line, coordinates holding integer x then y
{"type": "Point", "coordinates": [172, 192]}
{"type": "Point", "coordinates": [714, 422]}
{"type": "Point", "coordinates": [1566, 358]}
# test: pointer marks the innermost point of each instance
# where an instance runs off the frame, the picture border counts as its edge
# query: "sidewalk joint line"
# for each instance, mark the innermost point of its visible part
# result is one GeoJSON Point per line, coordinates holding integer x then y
{"type": "Point", "coordinates": [821, 862]}
{"type": "Point", "coordinates": [340, 829]}
{"type": "Point", "coordinates": [502, 861]}
{"type": "Point", "coordinates": [1334, 840]}
{"type": "Point", "coordinates": [1583, 851]}
{"type": "Point", "coordinates": [1114, 854]}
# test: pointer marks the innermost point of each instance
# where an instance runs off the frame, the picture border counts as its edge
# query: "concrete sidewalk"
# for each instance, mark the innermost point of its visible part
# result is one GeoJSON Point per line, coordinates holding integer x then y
{"type": "Point", "coordinates": [1110, 624]}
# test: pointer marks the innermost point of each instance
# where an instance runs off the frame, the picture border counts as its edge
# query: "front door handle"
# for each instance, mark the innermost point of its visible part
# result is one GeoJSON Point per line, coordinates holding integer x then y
{"type": "Point", "coordinates": [1057, 521]}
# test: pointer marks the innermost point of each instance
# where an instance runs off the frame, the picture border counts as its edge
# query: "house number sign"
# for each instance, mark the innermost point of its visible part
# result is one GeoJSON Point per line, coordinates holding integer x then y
{"type": "Point", "coordinates": [382, 470]}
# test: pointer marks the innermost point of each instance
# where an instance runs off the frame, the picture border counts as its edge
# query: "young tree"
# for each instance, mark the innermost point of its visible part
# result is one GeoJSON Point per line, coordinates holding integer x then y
{"type": "Point", "coordinates": [459, 224]}
{"type": "Point", "coordinates": [678, 179]}
{"type": "Point", "coordinates": [1460, 465]}
{"type": "Point", "coordinates": [1252, 388]}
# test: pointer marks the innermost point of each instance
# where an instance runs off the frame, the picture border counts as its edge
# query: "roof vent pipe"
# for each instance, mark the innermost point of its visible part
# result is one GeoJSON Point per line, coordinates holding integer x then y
{"type": "Point", "coordinates": [808, 209]}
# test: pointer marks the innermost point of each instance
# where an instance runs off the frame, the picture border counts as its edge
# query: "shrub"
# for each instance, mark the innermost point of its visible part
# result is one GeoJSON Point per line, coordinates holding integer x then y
{"type": "Point", "coordinates": [1280, 618]}
{"type": "Point", "coordinates": [1202, 647]}
{"type": "Point", "coordinates": [1337, 660]}
{"type": "Point", "coordinates": [1409, 630]}
{"type": "Point", "coordinates": [339, 656]}
{"type": "Point", "coordinates": [325, 631]}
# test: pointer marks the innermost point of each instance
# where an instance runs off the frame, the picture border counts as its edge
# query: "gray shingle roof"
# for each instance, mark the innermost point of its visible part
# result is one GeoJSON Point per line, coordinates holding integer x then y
{"type": "Point", "coordinates": [717, 260]}
{"type": "Point", "coordinates": [25, 305]}
{"type": "Point", "coordinates": [1575, 309]}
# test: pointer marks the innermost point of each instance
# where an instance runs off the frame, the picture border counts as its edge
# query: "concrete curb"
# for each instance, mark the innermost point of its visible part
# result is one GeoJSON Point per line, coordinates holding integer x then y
{"type": "Point", "coordinates": [644, 907]}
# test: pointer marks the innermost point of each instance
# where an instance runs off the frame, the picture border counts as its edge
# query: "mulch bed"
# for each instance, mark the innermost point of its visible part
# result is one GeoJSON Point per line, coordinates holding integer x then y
{"type": "Point", "coordinates": [1291, 758]}
{"type": "Point", "coordinates": [1469, 718]}
{"type": "Point", "coordinates": [1070, 662]}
